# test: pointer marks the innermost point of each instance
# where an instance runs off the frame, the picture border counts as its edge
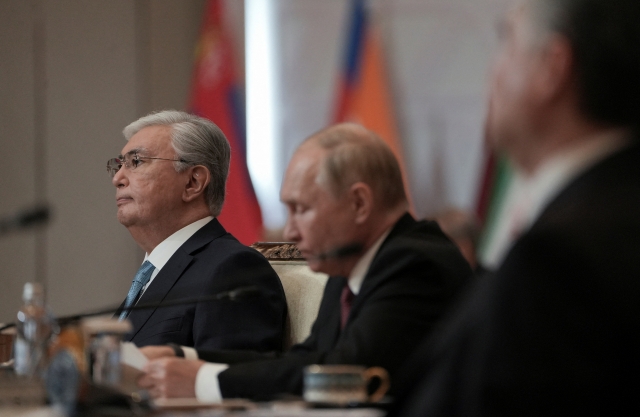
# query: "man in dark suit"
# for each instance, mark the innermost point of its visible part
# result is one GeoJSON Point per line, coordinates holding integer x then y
{"type": "Point", "coordinates": [391, 276]}
{"type": "Point", "coordinates": [556, 331]}
{"type": "Point", "coordinates": [170, 186]}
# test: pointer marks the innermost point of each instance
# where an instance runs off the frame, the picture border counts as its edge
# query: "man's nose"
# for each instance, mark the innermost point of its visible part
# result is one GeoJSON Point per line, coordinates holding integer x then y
{"type": "Point", "coordinates": [120, 179]}
{"type": "Point", "coordinates": [290, 232]}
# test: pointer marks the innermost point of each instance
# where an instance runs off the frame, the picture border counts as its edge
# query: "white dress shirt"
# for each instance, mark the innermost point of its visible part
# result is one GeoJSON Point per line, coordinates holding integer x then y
{"type": "Point", "coordinates": [361, 268]}
{"type": "Point", "coordinates": [207, 385]}
{"type": "Point", "coordinates": [530, 195]}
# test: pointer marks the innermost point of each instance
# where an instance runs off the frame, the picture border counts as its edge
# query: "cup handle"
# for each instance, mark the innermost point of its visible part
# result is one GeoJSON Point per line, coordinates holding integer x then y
{"type": "Point", "coordinates": [383, 375]}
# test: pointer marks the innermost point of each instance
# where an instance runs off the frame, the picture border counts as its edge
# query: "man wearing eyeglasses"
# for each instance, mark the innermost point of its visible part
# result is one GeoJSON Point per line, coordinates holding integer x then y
{"type": "Point", "coordinates": [170, 185]}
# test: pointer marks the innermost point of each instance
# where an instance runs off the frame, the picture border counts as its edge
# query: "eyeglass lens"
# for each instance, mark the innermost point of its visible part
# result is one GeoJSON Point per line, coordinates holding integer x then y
{"type": "Point", "coordinates": [114, 164]}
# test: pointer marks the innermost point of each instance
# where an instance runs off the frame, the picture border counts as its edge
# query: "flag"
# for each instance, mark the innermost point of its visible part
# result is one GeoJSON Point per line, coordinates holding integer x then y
{"type": "Point", "coordinates": [493, 207]}
{"type": "Point", "coordinates": [217, 96]}
{"type": "Point", "coordinates": [363, 93]}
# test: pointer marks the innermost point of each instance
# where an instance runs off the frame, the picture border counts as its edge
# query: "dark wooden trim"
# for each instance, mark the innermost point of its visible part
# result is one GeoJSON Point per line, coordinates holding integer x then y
{"type": "Point", "coordinates": [279, 251]}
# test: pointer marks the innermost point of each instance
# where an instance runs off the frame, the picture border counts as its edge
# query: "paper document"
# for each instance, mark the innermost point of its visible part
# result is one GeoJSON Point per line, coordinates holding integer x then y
{"type": "Point", "coordinates": [131, 355]}
{"type": "Point", "coordinates": [132, 362]}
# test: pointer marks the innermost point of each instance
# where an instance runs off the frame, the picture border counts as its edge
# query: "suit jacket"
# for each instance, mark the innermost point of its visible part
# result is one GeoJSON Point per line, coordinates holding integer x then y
{"type": "Point", "coordinates": [556, 330]}
{"type": "Point", "coordinates": [209, 262]}
{"type": "Point", "coordinates": [411, 281]}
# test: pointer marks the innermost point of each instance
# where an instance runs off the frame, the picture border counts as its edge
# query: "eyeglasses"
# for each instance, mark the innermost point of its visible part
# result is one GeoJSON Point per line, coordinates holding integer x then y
{"type": "Point", "coordinates": [131, 161]}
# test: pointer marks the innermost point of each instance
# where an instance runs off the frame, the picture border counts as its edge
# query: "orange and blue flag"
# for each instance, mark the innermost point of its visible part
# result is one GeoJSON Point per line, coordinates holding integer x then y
{"type": "Point", "coordinates": [217, 96]}
{"type": "Point", "coordinates": [363, 92]}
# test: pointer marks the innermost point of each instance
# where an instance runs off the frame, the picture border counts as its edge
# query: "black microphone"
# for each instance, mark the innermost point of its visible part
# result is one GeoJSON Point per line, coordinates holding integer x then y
{"type": "Point", "coordinates": [341, 252]}
{"type": "Point", "coordinates": [236, 294]}
{"type": "Point", "coordinates": [23, 219]}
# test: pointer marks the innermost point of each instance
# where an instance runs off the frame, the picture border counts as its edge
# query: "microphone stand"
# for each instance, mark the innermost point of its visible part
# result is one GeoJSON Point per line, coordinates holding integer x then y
{"type": "Point", "coordinates": [236, 294]}
{"type": "Point", "coordinates": [24, 219]}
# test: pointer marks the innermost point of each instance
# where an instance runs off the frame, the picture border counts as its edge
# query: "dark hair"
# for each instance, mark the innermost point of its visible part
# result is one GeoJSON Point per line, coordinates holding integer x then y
{"type": "Point", "coordinates": [605, 38]}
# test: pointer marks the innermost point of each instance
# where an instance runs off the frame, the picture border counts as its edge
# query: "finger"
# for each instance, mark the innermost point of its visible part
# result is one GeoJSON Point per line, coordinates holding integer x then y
{"type": "Point", "coordinates": [155, 366]}
{"type": "Point", "coordinates": [154, 392]}
{"type": "Point", "coordinates": [155, 352]}
{"type": "Point", "coordinates": [145, 381]}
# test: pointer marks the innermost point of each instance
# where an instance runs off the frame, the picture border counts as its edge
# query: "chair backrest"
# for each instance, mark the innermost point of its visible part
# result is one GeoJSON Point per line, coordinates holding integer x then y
{"type": "Point", "coordinates": [303, 287]}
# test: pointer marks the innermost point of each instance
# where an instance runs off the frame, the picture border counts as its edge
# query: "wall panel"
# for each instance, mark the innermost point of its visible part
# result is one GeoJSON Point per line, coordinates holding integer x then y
{"type": "Point", "coordinates": [17, 149]}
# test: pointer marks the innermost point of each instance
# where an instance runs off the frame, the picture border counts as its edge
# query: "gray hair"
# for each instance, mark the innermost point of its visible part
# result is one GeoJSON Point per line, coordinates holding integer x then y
{"type": "Point", "coordinates": [604, 36]}
{"type": "Point", "coordinates": [197, 141]}
{"type": "Point", "coordinates": [356, 154]}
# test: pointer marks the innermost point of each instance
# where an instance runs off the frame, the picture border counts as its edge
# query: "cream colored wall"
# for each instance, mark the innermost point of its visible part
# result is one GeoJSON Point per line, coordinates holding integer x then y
{"type": "Point", "coordinates": [73, 73]}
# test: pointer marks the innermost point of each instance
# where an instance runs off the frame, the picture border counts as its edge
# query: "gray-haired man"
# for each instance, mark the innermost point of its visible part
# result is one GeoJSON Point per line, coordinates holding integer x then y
{"type": "Point", "coordinates": [170, 185]}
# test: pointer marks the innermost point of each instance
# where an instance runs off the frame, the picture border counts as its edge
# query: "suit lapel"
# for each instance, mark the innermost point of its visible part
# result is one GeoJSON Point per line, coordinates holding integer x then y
{"type": "Point", "coordinates": [373, 277]}
{"type": "Point", "coordinates": [172, 271]}
{"type": "Point", "coordinates": [607, 168]}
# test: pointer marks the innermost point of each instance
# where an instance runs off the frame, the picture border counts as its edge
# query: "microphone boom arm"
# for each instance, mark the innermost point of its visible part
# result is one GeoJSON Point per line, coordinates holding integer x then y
{"type": "Point", "coordinates": [236, 294]}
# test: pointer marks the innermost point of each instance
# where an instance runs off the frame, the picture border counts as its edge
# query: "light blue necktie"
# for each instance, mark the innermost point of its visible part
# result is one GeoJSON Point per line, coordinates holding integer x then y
{"type": "Point", "coordinates": [141, 279]}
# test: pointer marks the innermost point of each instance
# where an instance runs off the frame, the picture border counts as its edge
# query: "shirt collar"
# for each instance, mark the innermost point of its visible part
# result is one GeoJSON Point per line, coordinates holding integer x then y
{"type": "Point", "coordinates": [161, 254]}
{"type": "Point", "coordinates": [539, 189]}
{"type": "Point", "coordinates": [528, 196]}
{"type": "Point", "coordinates": [361, 268]}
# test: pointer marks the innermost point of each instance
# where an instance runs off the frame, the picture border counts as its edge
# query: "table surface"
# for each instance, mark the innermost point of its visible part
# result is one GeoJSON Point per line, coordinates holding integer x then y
{"type": "Point", "coordinates": [263, 411]}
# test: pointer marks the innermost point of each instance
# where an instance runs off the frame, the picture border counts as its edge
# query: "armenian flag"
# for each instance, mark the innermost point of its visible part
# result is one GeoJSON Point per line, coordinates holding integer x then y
{"type": "Point", "coordinates": [363, 92]}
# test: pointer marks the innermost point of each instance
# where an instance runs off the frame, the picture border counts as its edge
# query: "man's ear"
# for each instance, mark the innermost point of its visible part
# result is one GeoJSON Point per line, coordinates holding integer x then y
{"type": "Point", "coordinates": [361, 201]}
{"type": "Point", "coordinates": [198, 177]}
{"type": "Point", "coordinates": [554, 76]}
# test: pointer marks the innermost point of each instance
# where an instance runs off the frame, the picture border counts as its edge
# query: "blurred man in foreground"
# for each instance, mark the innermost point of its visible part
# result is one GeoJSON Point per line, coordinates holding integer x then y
{"type": "Point", "coordinates": [391, 276]}
{"type": "Point", "coordinates": [462, 227]}
{"type": "Point", "coordinates": [556, 330]}
{"type": "Point", "coordinates": [170, 185]}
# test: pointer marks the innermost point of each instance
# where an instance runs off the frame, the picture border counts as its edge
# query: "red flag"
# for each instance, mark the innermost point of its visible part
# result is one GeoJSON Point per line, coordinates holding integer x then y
{"type": "Point", "coordinates": [216, 95]}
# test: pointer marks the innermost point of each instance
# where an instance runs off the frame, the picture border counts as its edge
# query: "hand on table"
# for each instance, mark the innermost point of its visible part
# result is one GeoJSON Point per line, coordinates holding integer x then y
{"type": "Point", "coordinates": [170, 377]}
{"type": "Point", "coordinates": [156, 352]}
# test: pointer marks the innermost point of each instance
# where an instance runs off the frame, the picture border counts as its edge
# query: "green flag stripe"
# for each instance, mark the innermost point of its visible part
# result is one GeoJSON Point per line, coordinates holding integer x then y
{"type": "Point", "coordinates": [502, 181]}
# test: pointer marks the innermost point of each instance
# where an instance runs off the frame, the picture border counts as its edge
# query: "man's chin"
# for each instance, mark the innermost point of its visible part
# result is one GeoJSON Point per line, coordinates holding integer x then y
{"type": "Point", "coordinates": [315, 265]}
{"type": "Point", "coordinates": [124, 219]}
{"type": "Point", "coordinates": [329, 267]}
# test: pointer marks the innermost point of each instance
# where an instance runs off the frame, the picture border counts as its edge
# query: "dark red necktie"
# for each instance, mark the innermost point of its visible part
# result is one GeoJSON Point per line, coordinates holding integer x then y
{"type": "Point", "coordinates": [346, 299]}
